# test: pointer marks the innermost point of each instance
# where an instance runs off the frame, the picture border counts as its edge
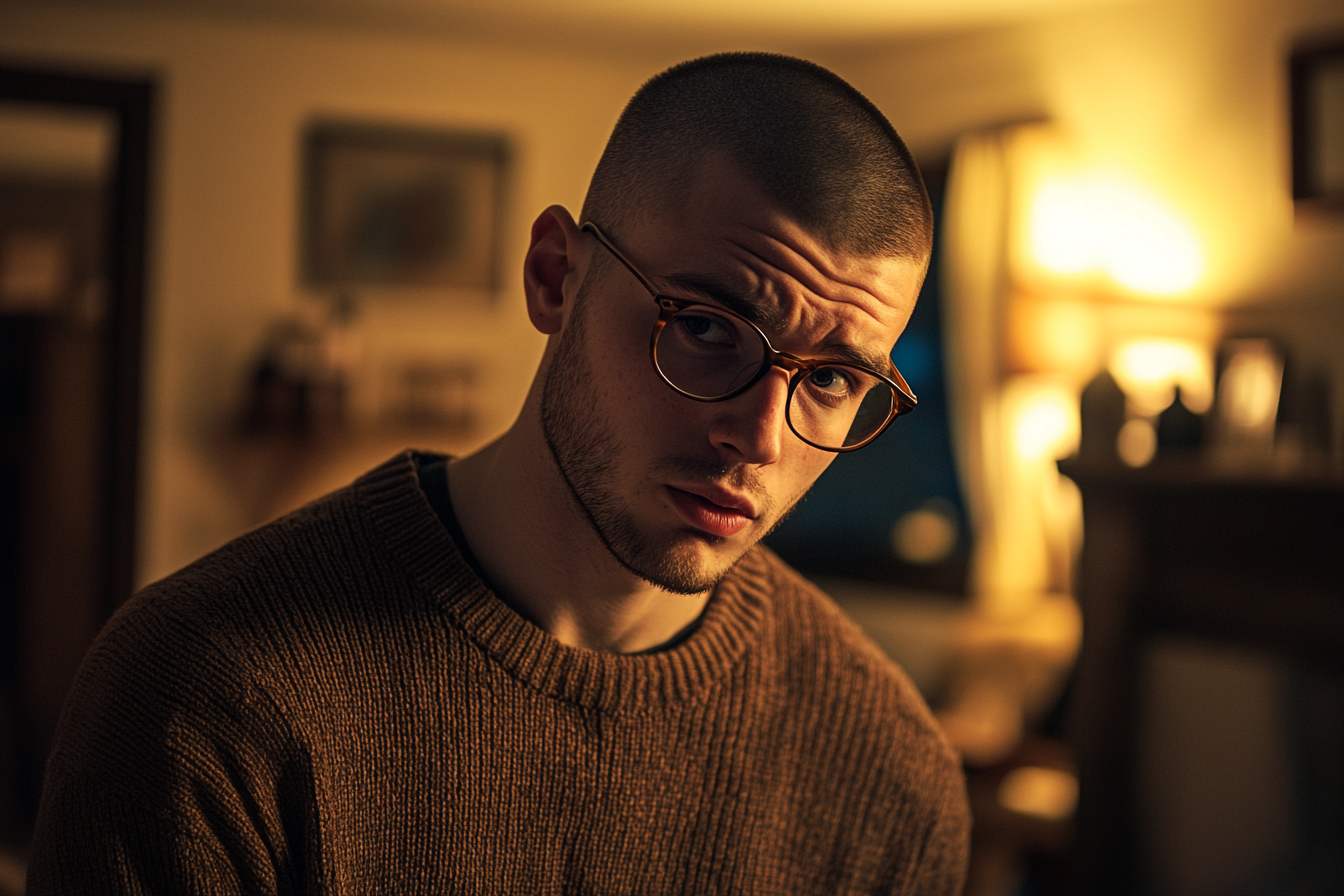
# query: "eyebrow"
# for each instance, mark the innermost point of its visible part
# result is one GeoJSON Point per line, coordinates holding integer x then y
{"type": "Point", "coordinates": [839, 351]}
{"type": "Point", "coordinates": [768, 317]}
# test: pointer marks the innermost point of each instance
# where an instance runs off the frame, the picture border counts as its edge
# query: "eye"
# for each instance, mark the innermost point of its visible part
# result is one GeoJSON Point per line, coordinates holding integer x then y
{"type": "Point", "coordinates": [704, 328]}
{"type": "Point", "coordinates": [831, 381]}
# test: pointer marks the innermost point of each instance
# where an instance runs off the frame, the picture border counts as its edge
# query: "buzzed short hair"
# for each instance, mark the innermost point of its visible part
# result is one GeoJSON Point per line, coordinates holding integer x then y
{"type": "Point", "coordinates": [803, 136]}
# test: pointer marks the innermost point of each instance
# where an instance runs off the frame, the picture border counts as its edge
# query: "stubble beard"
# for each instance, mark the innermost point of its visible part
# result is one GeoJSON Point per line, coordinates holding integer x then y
{"type": "Point", "coordinates": [584, 447]}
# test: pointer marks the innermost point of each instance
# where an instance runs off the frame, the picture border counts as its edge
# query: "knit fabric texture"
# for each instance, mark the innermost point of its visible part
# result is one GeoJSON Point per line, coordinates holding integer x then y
{"type": "Point", "coordinates": [336, 703]}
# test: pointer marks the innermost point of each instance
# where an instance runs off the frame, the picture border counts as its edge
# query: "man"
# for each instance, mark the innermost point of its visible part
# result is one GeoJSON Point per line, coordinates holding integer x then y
{"type": "Point", "coordinates": [562, 664]}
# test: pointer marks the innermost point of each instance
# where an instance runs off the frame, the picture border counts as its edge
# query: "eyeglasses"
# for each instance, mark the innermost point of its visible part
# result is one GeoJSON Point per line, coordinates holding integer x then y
{"type": "Point", "coordinates": [708, 353]}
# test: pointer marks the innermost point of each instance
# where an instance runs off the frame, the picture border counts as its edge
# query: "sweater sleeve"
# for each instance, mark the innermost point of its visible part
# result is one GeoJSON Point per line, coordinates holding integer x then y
{"type": "Point", "coordinates": [91, 842]}
{"type": "Point", "coordinates": [169, 771]}
{"type": "Point", "coordinates": [202, 815]}
{"type": "Point", "coordinates": [947, 848]}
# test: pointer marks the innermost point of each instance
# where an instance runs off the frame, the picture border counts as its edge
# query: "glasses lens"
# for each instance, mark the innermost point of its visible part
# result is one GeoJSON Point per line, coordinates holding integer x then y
{"type": "Point", "coordinates": [839, 406]}
{"type": "Point", "coordinates": [708, 354]}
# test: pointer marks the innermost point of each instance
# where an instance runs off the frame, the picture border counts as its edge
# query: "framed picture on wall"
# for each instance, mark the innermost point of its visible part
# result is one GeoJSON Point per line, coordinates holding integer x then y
{"type": "Point", "coordinates": [402, 207]}
{"type": "Point", "coordinates": [1316, 84]}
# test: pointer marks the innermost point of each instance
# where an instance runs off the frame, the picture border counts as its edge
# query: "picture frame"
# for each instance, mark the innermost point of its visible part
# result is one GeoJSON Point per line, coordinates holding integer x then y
{"type": "Point", "coordinates": [398, 206]}
{"type": "Point", "coordinates": [1316, 101]}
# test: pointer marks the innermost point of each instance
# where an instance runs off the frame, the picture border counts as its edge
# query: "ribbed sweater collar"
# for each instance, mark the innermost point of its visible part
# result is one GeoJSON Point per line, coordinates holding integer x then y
{"type": "Point", "coordinates": [391, 498]}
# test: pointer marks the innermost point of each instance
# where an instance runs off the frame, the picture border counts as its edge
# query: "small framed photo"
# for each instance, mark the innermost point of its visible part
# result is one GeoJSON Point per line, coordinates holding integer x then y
{"type": "Point", "coordinates": [403, 207]}
{"type": "Point", "coordinates": [1316, 83]}
{"type": "Point", "coordinates": [1249, 388]}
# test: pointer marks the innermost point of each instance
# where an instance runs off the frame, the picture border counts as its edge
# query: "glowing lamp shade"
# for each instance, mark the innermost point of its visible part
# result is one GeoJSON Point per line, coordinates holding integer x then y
{"type": "Point", "coordinates": [1096, 225]}
{"type": "Point", "coordinates": [1059, 242]}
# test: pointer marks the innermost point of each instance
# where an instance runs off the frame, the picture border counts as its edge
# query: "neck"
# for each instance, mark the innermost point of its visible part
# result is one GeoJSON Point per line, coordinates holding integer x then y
{"type": "Point", "coordinates": [544, 559]}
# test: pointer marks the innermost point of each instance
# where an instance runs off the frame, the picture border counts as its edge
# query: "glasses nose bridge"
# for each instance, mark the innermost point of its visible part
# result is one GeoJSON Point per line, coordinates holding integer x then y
{"type": "Point", "coordinates": [791, 364]}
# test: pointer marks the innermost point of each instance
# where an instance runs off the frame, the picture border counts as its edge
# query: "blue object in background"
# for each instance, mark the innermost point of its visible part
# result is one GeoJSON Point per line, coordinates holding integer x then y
{"type": "Point", "coordinates": [846, 524]}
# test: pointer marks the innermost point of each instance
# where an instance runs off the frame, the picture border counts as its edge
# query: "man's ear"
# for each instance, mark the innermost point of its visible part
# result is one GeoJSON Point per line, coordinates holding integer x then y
{"type": "Point", "coordinates": [551, 269]}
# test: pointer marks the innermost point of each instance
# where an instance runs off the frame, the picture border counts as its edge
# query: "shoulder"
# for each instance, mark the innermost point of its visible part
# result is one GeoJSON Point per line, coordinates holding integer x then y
{"type": "Point", "coordinates": [222, 602]}
{"type": "Point", "coordinates": [329, 557]}
{"type": "Point", "coordinates": [190, 640]}
{"type": "Point", "coordinates": [223, 639]}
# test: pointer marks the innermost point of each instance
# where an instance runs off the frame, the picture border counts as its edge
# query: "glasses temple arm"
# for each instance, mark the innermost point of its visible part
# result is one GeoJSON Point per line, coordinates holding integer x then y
{"type": "Point", "coordinates": [606, 243]}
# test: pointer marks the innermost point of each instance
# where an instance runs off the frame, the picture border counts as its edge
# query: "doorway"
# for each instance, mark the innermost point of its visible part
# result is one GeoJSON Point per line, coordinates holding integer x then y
{"type": "Point", "coordinates": [74, 170]}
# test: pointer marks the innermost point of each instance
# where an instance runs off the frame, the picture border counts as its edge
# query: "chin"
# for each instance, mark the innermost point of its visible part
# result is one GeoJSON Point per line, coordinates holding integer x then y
{"type": "Point", "coordinates": [693, 564]}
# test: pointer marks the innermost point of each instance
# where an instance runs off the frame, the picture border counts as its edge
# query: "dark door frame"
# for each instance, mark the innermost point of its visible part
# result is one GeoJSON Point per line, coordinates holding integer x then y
{"type": "Point", "coordinates": [131, 102]}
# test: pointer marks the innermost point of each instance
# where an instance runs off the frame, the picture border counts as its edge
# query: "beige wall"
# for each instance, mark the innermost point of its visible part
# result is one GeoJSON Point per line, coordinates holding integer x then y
{"type": "Point", "coordinates": [1187, 96]}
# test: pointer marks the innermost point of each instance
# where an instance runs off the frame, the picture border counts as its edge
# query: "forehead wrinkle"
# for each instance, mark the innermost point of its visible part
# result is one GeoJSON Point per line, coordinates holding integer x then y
{"type": "Point", "coordinates": [818, 282]}
{"type": "Point", "coordinates": [819, 279]}
{"type": "Point", "coordinates": [788, 313]}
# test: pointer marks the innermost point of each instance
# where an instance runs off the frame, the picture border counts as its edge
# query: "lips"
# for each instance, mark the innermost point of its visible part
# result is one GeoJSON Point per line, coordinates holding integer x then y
{"type": "Point", "coordinates": [713, 511]}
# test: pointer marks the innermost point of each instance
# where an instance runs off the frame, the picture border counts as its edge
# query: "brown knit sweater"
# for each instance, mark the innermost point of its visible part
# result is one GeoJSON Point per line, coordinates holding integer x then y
{"type": "Point", "coordinates": [336, 703]}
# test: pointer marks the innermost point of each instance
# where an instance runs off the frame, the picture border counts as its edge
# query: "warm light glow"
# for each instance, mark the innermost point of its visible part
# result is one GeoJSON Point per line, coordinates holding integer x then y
{"type": "Point", "coordinates": [1052, 334]}
{"type": "Point", "coordinates": [1148, 369]}
{"type": "Point", "coordinates": [1093, 224]}
{"type": "Point", "coordinates": [926, 535]}
{"type": "Point", "coordinates": [1047, 423]}
{"type": "Point", "coordinates": [1048, 793]}
{"type": "Point", "coordinates": [1060, 243]}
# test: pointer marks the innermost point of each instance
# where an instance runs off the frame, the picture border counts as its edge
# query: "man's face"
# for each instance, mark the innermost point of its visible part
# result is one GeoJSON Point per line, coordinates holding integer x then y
{"type": "Point", "coordinates": [677, 489]}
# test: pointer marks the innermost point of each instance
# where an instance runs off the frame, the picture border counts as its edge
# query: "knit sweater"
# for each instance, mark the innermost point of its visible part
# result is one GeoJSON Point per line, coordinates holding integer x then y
{"type": "Point", "coordinates": [337, 703]}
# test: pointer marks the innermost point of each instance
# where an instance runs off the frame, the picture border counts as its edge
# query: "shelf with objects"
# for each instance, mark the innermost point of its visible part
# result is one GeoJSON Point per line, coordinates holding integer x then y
{"type": "Point", "coordinates": [1223, 541]}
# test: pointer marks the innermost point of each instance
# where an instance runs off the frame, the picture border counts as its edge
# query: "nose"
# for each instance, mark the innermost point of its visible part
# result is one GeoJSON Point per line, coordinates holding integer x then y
{"type": "Point", "coordinates": [751, 427]}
